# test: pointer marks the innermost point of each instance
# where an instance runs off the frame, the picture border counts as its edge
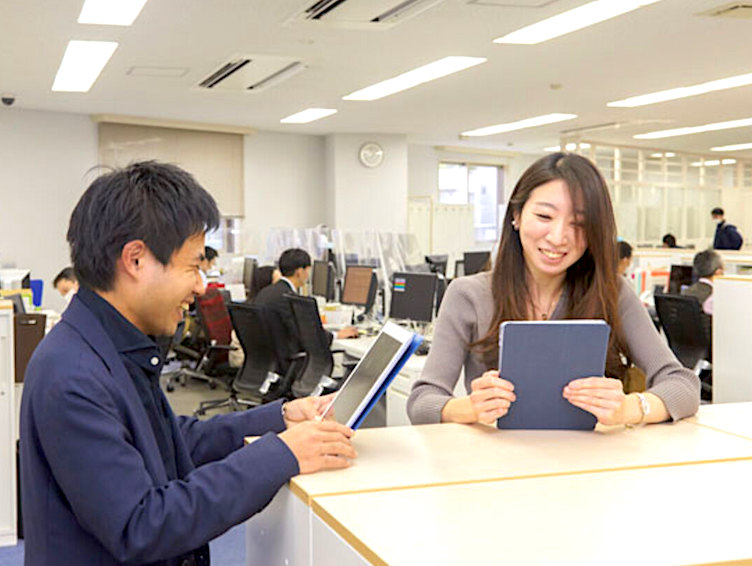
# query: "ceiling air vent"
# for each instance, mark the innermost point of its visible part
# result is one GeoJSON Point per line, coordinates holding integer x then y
{"type": "Point", "coordinates": [363, 14]}
{"type": "Point", "coordinates": [737, 10]}
{"type": "Point", "coordinates": [251, 73]}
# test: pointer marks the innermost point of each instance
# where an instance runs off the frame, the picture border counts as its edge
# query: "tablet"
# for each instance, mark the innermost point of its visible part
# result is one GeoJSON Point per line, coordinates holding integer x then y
{"type": "Point", "coordinates": [364, 385]}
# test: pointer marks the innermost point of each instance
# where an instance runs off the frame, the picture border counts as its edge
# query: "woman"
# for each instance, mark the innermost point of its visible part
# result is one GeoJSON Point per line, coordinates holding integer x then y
{"type": "Point", "coordinates": [557, 259]}
{"type": "Point", "coordinates": [263, 277]}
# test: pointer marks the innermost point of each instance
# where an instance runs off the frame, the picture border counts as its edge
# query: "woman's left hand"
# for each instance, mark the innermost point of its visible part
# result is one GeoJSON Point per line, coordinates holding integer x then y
{"type": "Point", "coordinates": [602, 396]}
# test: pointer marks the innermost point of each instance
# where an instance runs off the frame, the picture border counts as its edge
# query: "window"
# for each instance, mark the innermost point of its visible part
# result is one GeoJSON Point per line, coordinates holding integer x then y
{"type": "Point", "coordinates": [479, 185]}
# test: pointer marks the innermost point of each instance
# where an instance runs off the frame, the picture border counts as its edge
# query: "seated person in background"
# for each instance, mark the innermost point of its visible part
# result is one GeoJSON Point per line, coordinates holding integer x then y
{"type": "Point", "coordinates": [262, 277]}
{"type": "Point", "coordinates": [669, 241]}
{"type": "Point", "coordinates": [625, 258]}
{"type": "Point", "coordinates": [66, 284]}
{"type": "Point", "coordinates": [208, 259]}
{"type": "Point", "coordinates": [727, 237]}
{"type": "Point", "coordinates": [556, 260]}
{"type": "Point", "coordinates": [109, 474]}
{"type": "Point", "coordinates": [706, 265]}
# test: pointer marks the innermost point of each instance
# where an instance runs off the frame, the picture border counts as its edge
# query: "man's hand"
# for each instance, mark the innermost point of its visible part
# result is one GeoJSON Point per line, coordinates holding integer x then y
{"type": "Point", "coordinates": [306, 409]}
{"type": "Point", "coordinates": [322, 445]}
{"type": "Point", "coordinates": [348, 332]}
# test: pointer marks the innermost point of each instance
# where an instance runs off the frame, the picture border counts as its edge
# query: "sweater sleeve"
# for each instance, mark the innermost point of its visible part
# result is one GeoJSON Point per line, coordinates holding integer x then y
{"type": "Point", "coordinates": [455, 329]}
{"type": "Point", "coordinates": [677, 386]}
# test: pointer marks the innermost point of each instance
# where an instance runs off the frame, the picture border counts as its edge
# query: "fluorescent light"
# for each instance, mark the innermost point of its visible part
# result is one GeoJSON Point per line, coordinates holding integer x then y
{"type": "Point", "coordinates": [683, 92]}
{"type": "Point", "coordinates": [713, 162]}
{"type": "Point", "coordinates": [735, 147]}
{"type": "Point", "coordinates": [695, 129]}
{"type": "Point", "coordinates": [424, 74]}
{"type": "Point", "coordinates": [110, 12]}
{"type": "Point", "coordinates": [81, 65]}
{"type": "Point", "coordinates": [568, 147]}
{"type": "Point", "coordinates": [308, 115]}
{"type": "Point", "coordinates": [520, 124]}
{"type": "Point", "coordinates": [572, 20]}
{"type": "Point", "coordinates": [667, 154]}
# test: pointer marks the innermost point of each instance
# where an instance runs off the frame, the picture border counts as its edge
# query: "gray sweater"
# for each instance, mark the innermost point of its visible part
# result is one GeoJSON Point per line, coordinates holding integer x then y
{"type": "Point", "coordinates": [465, 316]}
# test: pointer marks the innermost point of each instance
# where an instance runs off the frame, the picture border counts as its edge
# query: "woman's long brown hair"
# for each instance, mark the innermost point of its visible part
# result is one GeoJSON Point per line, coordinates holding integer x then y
{"type": "Point", "coordinates": [592, 282]}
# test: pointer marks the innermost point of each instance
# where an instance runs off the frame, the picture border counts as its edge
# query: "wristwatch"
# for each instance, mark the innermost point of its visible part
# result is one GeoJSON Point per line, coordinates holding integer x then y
{"type": "Point", "coordinates": [644, 407]}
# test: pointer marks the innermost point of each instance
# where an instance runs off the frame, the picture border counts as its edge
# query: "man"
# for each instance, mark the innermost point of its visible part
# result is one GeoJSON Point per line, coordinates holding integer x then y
{"type": "Point", "coordinates": [669, 241]}
{"type": "Point", "coordinates": [295, 267]}
{"type": "Point", "coordinates": [625, 258]}
{"type": "Point", "coordinates": [66, 284]}
{"type": "Point", "coordinates": [208, 259]}
{"type": "Point", "coordinates": [706, 265]}
{"type": "Point", "coordinates": [109, 475]}
{"type": "Point", "coordinates": [727, 237]}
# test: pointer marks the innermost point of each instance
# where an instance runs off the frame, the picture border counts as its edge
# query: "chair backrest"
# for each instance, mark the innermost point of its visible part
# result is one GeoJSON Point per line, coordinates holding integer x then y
{"type": "Point", "coordinates": [253, 334]}
{"type": "Point", "coordinates": [215, 321]}
{"type": "Point", "coordinates": [682, 322]}
{"type": "Point", "coordinates": [315, 344]}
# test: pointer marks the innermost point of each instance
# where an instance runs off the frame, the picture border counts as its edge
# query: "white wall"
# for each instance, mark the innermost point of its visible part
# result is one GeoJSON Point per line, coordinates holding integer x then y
{"type": "Point", "coordinates": [361, 198]}
{"type": "Point", "coordinates": [44, 158]}
{"type": "Point", "coordinates": [284, 185]}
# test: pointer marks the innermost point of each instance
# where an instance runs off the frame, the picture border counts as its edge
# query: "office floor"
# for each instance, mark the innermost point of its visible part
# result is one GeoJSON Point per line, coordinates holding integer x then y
{"type": "Point", "coordinates": [226, 550]}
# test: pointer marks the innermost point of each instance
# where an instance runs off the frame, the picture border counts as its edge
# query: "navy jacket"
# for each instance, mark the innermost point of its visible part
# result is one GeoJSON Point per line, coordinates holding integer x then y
{"type": "Point", "coordinates": [727, 237]}
{"type": "Point", "coordinates": [93, 485]}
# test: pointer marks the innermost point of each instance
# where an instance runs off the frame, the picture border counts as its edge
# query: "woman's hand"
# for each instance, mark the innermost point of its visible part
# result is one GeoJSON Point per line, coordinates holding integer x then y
{"type": "Point", "coordinates": [489, 400]}
{"type": "Point", "coordinates": [604, 397]}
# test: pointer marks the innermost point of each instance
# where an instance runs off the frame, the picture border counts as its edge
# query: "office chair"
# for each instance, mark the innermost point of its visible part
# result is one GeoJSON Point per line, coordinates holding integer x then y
{"type": "Point", "coordinates": [212, 365]}
{"type": "Point", "coordinates": [316, 376]}
{"type": "Point", "coordinates": [687, 330]}
{"type": "Point", "coordinates": [256, 382]}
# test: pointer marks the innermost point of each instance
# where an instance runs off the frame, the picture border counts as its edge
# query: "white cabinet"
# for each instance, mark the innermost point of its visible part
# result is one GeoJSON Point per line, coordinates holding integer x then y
{"type": "Point", "coordinates": [7, 429]}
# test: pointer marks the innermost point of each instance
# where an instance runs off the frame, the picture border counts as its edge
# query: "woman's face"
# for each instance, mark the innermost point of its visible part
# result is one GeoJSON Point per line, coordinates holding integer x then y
{"type": "Point", "coordinates": [551, 230]}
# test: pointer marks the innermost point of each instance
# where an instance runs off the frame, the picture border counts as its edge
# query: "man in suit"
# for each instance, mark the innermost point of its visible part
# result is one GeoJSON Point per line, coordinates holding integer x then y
{"type": "Point", "coordinates": [727, 237]}
{"type": "Point", "coordinates": [109, 474]}
{"type": "Point", "coordinates": [295, 267]}
{"type": "Point", "coordinates": [706, 266]}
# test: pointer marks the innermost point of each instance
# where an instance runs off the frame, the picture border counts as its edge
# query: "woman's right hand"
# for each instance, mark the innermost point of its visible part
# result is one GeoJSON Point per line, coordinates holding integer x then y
{"type": "Point", "coordinates": [489, 400]}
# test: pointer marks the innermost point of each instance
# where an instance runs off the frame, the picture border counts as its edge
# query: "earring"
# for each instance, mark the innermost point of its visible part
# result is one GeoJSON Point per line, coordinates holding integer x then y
{"type": "Point", "coordinates": [514, 225]}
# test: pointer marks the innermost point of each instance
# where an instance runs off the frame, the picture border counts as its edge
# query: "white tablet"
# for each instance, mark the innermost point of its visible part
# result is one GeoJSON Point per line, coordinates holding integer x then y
{"type": "Point", "coordinates": [374, 367]}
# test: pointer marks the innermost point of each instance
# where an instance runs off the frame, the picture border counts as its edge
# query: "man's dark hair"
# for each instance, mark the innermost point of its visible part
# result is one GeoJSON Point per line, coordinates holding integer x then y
{"type": "Point", "coordinates": [210, 253]}
{"type": "Point", "coordinates": [158, 203]}
{"type": "Point", "coordinates": [625, 250]}
{"type": "Point", "coordinates": [65, 273]}
{"type": "Point", "coordinates": [670, 240]}
{"type": "Point", "coordinates": [717, 211]}
{"type": "Point", "coordinates": [292, 259]}
{"type": "Point", "coordinates": [706, 263]}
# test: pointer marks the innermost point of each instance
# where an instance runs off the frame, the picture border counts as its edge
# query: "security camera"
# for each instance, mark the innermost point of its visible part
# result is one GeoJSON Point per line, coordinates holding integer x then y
{"type": "Point", "coordinates": [8, 99]}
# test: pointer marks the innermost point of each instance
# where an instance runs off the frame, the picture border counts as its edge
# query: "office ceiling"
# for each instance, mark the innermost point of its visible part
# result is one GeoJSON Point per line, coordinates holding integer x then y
{"type": "Point", "coordinates": [657, 47]}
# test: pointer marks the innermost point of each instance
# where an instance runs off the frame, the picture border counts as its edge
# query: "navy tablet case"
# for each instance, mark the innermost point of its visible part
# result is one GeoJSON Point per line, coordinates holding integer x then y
{"type": "Point", "coordinates": [540, 358]}
{"type": "Point", "coordinates": [416, 341]}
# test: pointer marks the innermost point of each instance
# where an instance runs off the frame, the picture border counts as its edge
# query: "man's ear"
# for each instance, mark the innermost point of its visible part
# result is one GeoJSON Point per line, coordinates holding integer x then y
{"type": "Point", "coordinates": [132, 257]}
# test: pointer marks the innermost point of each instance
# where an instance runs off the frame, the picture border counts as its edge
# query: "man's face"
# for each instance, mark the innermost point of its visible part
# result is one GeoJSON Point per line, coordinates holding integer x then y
{"type": "Point", "coordinates": [65, 286]}
{"type": "Point", "coordinates": [167, 290]}
{"type": "Point", "coordinates": [717, 218]}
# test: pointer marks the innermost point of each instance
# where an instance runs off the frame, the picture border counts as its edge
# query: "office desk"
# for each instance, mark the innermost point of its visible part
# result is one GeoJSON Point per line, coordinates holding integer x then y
{"type": "Point", "coordinates": [732, 418]}
{"type": "Point", "coordinates": [580, 520]}
{"type": "Point", "coordinates": [407, 458]}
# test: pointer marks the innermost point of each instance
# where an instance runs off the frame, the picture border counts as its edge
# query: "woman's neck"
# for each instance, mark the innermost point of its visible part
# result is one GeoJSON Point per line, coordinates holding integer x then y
{"type": "Point", "coordinates": [544, 294]}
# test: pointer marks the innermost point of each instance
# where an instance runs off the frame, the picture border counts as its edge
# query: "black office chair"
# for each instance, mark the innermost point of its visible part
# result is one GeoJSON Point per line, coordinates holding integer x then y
{"type": "Point", "coordinates": [316, 377]}
{"type": "Point", "coordinates": [687, 330]}
{"type": "Point", "coordinates": [256, 382]}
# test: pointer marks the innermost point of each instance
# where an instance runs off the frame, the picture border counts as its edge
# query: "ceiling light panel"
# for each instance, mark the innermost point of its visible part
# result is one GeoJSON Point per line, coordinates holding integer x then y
{"type": "Point", "coordinates": [734, 147]}
{"type": "Point", "coordinates": [82, 63]}
{"type": "Point", "coordinates": [569, 147]}
{"type": "Point", "coordinates": [683, 92]}
{"type": "Point", "coordinates": [410, 79]}
{"type": "Point", "coordinates": [110, 12]}
{"type": "Point", "coordinates": [572, 20]}
{"type": "Point", "coordinates": [308, 115]}
{"type": "Point", "coordinates": [520, 125]}
{"type": "Point", "coordinates": [744, 122]}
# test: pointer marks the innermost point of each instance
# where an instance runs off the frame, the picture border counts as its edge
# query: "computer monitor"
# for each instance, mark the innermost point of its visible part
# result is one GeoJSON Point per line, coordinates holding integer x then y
{"type": "Point", "coordinates": [18, 305]}
{"type": "Point", "coordinates": [413, 296]}
{"type": "Point", "coordinates": [322, 279]}
{"type": "Point", "coordinates": [680, 276]}
{"type": "Point", "coordinates": [249, 266]}
{"type": "Point", "coordinates": [438, 263]}
{"type": "Point", "coordinates": [475, 261]}
{"type": "Point", "coordinates": [358, 285]}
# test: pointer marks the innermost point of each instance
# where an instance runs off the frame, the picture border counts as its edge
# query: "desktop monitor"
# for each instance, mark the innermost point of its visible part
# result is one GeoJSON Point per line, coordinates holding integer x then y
{"type": "Point", "coordinates": [413, 296]}
{"type": "Point", "coordinates": [438, 263]}
{"type": "Point", "coordinates": [322, 279]}
{"type": "Point", "coordinates": [18, 305]}
{"type": "Point", "coordinates": [249, 266]}
{"type": "Point", "coordinates": [358, 285]}
{"type": "Point", "coordinates": [475, 261]}
{"type": "Point", "coordinates": [679, 277]}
